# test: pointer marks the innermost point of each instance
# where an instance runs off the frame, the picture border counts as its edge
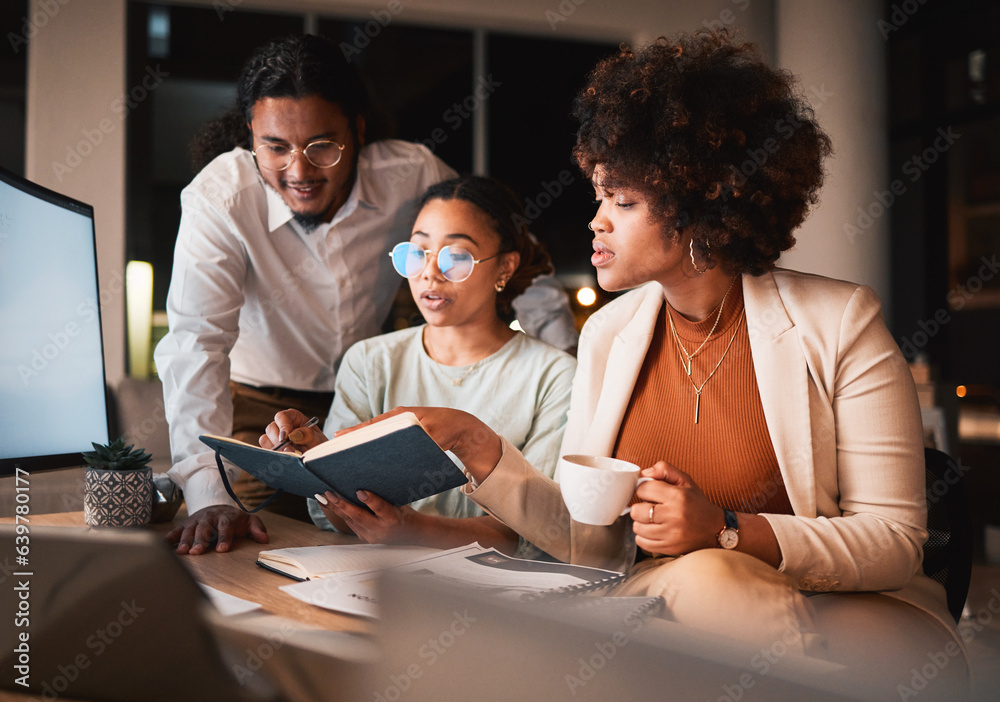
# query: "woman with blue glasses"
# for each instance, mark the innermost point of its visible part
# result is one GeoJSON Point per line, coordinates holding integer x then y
{"type": "Point", "coordinates": [466, 261]}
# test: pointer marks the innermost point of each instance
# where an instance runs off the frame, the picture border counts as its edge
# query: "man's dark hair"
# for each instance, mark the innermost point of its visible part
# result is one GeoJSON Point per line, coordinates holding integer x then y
{"type": "Point", "coordinates": [684, 121]}
{"type": "Point", "coordinates": [296, 66]}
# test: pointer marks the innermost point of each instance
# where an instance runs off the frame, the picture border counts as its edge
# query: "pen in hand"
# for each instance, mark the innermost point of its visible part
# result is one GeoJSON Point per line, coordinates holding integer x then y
{"type": "Point", "coordinates": [311, 423]}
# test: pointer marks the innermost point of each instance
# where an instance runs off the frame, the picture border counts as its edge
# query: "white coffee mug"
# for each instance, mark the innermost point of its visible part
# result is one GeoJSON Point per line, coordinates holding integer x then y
{"type": "Point", "coordinates": [597, 489]}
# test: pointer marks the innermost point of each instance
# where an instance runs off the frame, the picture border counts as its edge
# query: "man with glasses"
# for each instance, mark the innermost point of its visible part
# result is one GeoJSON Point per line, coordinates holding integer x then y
{"type": "Point", "coordinates": [280, 266]}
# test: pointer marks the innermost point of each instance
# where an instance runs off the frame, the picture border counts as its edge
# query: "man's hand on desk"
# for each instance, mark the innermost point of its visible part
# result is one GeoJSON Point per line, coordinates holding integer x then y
{"type": "Point", "coordinates": [219, 522]}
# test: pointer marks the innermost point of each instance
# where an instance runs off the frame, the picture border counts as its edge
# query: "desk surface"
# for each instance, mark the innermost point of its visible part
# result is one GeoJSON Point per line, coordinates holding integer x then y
{"type": "Point", "coordinates": [237, 573]}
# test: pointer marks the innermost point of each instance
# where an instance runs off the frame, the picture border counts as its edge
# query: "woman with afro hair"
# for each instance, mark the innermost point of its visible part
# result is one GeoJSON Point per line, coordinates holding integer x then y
{"type": "Point", "coordinates": [772, 409]}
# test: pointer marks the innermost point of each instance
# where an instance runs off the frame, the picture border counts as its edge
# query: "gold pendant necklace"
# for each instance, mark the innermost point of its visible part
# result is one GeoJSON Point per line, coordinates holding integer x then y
{"type": "Point", "coordinates": [456, 382]}
{"type": "Point", "coordinates": [685, 357]}
{"type": "Point", "coordinates": [697, 389]}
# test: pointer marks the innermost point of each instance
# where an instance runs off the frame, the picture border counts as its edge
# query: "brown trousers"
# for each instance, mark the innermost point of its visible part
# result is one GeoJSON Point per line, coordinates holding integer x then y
{"type": "Point", "coordinates": [253, 409]}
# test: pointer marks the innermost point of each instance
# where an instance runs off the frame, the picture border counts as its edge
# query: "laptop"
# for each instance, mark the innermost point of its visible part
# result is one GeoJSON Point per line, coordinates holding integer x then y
{"type": "Point", "coordinates": [107, 615]}
{"type": "Point", "coordinates": [443, 643]}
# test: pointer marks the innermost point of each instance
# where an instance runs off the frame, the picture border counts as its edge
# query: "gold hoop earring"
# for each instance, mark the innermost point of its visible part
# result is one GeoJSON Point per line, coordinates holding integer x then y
{"type": "Point", "coordinates": [693, 262]}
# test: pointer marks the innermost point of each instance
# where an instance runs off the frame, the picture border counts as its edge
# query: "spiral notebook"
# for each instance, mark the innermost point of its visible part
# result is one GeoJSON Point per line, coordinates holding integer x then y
{"type": "Point", "coordinates": [471, 567]}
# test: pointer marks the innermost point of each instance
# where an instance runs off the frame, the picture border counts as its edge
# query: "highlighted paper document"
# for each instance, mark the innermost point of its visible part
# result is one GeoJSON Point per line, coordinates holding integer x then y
{"type": "Point", "coordinates": [470, 566]}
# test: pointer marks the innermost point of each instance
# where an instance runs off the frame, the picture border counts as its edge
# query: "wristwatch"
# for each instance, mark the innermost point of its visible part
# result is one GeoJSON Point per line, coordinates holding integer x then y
{"type": "Point", "coordinates": [729, 537]}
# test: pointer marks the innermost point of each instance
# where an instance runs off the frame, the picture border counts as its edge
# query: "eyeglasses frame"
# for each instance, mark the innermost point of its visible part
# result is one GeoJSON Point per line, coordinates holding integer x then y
{"type": "Point", "coordinates": [293, 150]}
{"type": "Point", "coordinates": [428, 253]}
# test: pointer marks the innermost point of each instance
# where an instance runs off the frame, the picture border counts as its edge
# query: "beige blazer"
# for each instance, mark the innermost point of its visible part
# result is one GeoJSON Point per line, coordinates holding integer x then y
{"type": "Point", "coordinates": [843, 416]}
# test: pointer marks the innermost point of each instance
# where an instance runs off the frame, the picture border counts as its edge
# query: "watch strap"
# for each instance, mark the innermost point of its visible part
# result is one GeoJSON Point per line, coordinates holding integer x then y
{"type": "Point", "coordinates": [729, 536]}
{"type": "Point", "coordinates": [731, 521]}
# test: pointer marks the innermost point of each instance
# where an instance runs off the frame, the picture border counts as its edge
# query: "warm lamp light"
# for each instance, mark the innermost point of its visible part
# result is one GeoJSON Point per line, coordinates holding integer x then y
{"type": "Point", "coordinates": [586, 296]}
{"type": "Point", "coordinates": [139, 311]}
{"type": "Point", "coordinates": [960, 391]}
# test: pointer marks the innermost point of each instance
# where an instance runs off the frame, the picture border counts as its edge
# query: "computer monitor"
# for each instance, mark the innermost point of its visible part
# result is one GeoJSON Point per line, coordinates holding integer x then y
{"type": "Point", "coordinates": [52, 383]}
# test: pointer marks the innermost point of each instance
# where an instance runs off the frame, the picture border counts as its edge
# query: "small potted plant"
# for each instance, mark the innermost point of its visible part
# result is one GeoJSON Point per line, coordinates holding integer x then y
{"type": "Point", "coordinates": [118, 486]}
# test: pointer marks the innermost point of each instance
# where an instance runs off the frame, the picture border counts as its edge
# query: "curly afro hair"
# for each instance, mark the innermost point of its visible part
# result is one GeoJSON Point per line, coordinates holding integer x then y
{"type": "Point", "coordinates": [720, 144]}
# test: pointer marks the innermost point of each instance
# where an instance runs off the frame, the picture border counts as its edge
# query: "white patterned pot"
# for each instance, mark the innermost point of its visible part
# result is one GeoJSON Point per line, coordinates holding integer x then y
{"type": "Point", "coordinates": [117, 498]}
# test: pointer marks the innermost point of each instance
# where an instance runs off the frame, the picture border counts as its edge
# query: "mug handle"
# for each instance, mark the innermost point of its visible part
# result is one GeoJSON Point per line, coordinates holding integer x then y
{"type": "Point", "coordinates": [630, 547]}
{"type": "Point", "coordinates": [628, 507]}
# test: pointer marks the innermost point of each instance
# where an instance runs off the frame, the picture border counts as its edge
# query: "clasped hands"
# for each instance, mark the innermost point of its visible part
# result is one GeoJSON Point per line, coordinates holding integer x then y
{"type": "Point", "coordinates": [684, 519]}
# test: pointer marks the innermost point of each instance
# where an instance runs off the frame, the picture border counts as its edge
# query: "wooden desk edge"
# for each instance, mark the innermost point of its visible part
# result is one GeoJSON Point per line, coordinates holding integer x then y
{"type": "Point", "coordinates": [236, 572]}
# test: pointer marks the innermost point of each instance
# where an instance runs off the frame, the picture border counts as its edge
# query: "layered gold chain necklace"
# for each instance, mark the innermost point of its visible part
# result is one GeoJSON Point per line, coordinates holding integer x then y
{"type": "Point", "coordinates": [686, 357]}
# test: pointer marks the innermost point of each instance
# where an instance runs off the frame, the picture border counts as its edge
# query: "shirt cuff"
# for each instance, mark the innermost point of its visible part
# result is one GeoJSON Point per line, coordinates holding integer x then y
{"type": "Point", "coordinates": [202, 487]}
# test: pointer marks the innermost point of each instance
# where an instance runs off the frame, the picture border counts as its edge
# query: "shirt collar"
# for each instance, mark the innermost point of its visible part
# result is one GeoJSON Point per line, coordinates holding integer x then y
{"type": "Point", "coordinates": [364, 191]}
{"type": "Point", "coordinates": [279, 213]}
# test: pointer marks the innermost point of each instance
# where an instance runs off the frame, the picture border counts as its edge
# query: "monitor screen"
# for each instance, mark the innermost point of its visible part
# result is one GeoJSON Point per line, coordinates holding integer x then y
{"type": "Point", "coordinates": [52, 385]}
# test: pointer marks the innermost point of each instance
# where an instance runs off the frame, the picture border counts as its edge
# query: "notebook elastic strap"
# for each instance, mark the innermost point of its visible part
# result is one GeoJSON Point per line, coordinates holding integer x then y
{"type": "Point", "coordinates": [229, 489]}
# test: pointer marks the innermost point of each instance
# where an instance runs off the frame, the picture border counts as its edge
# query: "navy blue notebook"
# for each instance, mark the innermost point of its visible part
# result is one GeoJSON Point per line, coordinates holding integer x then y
{"type": "Point", "coordinates": [395, 459]}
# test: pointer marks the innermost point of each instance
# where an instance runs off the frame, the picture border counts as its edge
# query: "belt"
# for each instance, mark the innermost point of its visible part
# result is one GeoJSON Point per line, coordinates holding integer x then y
{"type": "Point", "coordinates": [281, 393]}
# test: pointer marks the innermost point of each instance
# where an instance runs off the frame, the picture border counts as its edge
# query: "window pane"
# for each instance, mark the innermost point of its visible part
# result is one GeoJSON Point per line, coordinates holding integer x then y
{"type": "Point", "coordinates": [192, 56]}
{"type": "Point", "coordinates": [13, 78]}
{"type": "Point", "coordinates": [532, 133]}
{"type": "Point", "coordinates": [417, 77]}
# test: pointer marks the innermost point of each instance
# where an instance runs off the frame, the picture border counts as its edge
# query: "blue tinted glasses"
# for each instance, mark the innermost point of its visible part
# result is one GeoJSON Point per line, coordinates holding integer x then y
{"type": "Point", "coordinates": [454, 262]}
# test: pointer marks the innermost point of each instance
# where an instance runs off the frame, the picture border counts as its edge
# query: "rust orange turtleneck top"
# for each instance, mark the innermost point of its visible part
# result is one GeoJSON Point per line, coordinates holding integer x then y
{"type": "Point", "coordinates": [728, 453]}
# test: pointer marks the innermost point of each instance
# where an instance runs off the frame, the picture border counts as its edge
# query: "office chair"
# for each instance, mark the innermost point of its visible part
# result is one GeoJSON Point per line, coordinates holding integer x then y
{"type": "Point", "coordinates": [948, 551]}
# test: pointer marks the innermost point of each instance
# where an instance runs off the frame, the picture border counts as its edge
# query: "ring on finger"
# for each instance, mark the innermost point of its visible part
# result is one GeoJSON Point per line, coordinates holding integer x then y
{"type": "Point", "coordinates": [651, 513]}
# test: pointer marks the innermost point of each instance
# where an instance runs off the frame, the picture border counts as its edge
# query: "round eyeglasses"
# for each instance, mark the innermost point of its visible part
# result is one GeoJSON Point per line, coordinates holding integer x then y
{"type": "Point", "coordinates": [277, 157]}
{"type": "Point", "coordinates": [454, 262]}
